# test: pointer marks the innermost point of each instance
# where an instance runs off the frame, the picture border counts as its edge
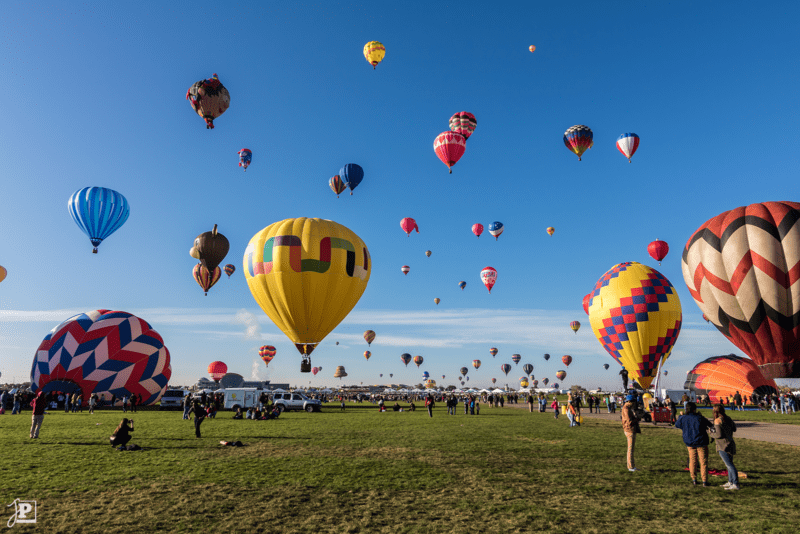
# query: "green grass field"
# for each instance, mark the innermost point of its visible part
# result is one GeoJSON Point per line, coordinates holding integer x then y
{"type": "Point", "coordinates": [506, 470]}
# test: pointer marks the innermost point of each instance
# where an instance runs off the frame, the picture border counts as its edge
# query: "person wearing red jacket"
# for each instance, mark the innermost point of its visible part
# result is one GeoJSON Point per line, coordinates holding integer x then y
{"type": "Point", "coordinates": [39, 404]}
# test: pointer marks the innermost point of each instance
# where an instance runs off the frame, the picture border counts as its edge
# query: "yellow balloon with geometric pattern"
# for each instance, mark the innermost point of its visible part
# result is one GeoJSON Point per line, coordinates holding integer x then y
{"type": "Point", "coordinates": [306, 274]}
{"type": "Point", "coordinates": [636, 315]}
{"type": "Point", "coordinates": [374, 52]}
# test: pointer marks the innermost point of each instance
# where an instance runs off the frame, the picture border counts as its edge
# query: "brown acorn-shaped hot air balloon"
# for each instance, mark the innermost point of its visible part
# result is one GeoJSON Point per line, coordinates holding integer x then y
{"type": "Point", "coordinates": [210, 248]}
{"type": "Point", "coordinates": [340, 372]}
{"type": "Point", "coordinates": [209, 99]}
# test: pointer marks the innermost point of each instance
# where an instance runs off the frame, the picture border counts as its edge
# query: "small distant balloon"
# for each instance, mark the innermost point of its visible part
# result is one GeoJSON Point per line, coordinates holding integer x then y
{"type": "Point", "coordinates": [578, 139]}
{"type": "Point", "coordinates": [546, 357]}
{"type": "Point", "coordinates": [496, 228]}
{"type": "Point", "coordinates": [405, 269]}
{"type": "Point", "coordinates": [505, 368]}
{"type": "Point", "coordinates": [428, 253]}
{"type": "Point", "coordinates": [489, 277]}
{"type": "Point", "coordinates": [369, 337]}
{"type": "Point", "coordinates": [605, 366]}
{"type": "Point", "coordinates": [627, 143]}
{"type": "Point", "coordinates": [532, 48]}
{"type": "Point", "coordinates": [462, 284]}
{"type": "Point", "coordinates": [230, 269]}
{"type": "Point", "coordinates": [566, 360]}
{"type": "Point", "coordinates": [477, 229]}
{"type": "Point", "coordinates": [516, 358]}
{"type": "Point", "coordinates": [209, 99]}
{"type": "Point", "coordinates": [527, 369]}
{"type": "Point", "coordinates": [575, 325]}
{"type": "Point", "coordinates": [658, 250]}
{"type": "Point", "coordinates": [205, 279]}
{"type": "Point", "coordinates": [475, 363]}
{"type": "Point", "coordinates": [449, 147]}
{"type": "Point", "coordinates": [367, 354]}
{"type": "Point", "coordinates": [408, 225]}
{"type": "Point", "coordinates": [351, 174]}
{"type": "Point", "coordinates": [245, 158]}
{"type": "Point", "coordinates": [494, 380]}
{"type": "Point", "coordinates": [418, 360]}
{"type": "Point", "coordinates": [374, 53]}
{"type": "Point", "coordinates": [437, 301]}
{"type": "Point", "coordinates": [463, 123]}
{"type": "Point", "coordinates": [561, 375]}
{"type": "Point", "coordinates": [551, 230]}
{"type": "Point", "coordinates": [337, 185]}
{"type": "Point", "coordinates": [493, 351]}
{"type": "Point", "coordinates": [405, 358]}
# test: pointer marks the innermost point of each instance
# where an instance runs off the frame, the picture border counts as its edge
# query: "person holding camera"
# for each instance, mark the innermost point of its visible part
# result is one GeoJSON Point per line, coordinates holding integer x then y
{"type": "Point", "coordinates": [122, 434]}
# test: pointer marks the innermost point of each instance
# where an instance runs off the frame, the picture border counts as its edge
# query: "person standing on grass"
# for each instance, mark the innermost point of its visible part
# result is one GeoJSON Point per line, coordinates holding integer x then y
{"type": "Point", "coordinates": [39, 405]}
{"type": "Point", "coordinates": [530, 403]}
{"type": "Point", "coordinates": [724, 427]}
{"type": "Point", "coordinates": [429, 404]}
{"type": "Point", "coordinates": [342, 404]}
{"type": "Point", "coordinates": [695, 437]}
{"type": "Point", "coordinates": [572, 414]}
{"type": "Point", "coordinates": [92, 402]}
{"type": "Point", "coordinates": [630, 426]}
{"type": "Point", "coordinates": [554, 406]}
{"type": "Point", "coordinates": [187, 406]}
{"type": "Point", "coordinates": [199, 414]}
{"type": "Point", "coordinates": [673, 410]}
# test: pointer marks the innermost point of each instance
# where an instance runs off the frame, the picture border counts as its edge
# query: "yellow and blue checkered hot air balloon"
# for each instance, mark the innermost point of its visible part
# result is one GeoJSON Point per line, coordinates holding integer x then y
{"type": "Point", "coordinates": [636, 315]}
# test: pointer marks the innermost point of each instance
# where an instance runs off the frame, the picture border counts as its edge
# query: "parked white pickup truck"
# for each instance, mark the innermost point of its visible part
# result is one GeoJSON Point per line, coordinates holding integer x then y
{"type": "Point", "coordinates": [285, 402]}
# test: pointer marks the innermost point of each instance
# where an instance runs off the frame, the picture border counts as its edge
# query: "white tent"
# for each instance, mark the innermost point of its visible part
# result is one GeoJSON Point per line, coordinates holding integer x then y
{"type": "Point", "coordinates": [498, 390]}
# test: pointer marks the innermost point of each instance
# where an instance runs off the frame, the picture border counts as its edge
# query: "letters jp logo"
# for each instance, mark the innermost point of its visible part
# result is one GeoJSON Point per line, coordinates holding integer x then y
{"type": "Point", "coordinates": [24, 512]}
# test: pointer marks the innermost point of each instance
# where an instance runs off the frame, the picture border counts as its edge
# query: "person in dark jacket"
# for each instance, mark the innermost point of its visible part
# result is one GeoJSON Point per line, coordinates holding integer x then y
{"type": "Point", "coordinates": [724, 427]}
{"type": "Point", "coordinates": [695, 436]}
{"type": "Point", "coordinates": [39, 405]}
{"type": "Point", "coordinates": [199, 414]}
{"type": "Point", "coordinates": [122, 434]}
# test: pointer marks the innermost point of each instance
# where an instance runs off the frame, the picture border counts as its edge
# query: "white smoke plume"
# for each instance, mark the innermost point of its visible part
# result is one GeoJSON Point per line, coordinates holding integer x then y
{"type": "Point", "coordinates": [252, 330]}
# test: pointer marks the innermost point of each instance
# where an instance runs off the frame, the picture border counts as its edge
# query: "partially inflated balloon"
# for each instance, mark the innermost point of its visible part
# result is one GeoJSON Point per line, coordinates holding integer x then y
{"type": "Point", "coordinates": [217, 370]}
{"type": "Point", "coordinates": [449, 147]}
{"type": "Point", "coordinates": [245, 158]}
{"type": "Point", "coordinates": [527, 368]}
{"type": "Point", "coordinates": [405, 269]}
{"type": "Point", "coordinates": [516, 358]}
{"type": "Point", "coordinates": [212, 247]}
{"type": "Point", "coordinates": [203, 278]}
{"type": "Point", "coordinates": [476, 364]}
{"type": "Point", "coordinates": [724, 376]}
{"type": "Point", "coordinates": [229, 269]}
{"type": "Point", "coordinates": [578, 139]}
{"type": "Point", "coordinates": [306, 274]}
{"type": "Point", "coordinates": [636, 315]}
{"type": "Point", "coordinates": [369, 337]}
{"type": "Point", "coordinates": [463, 123]}
{"type": "Point", "coordinates": [351, 174]}
{"type": "Point", "coordinates": [575, 325]}
{"type": "Point", "coordinates": [489, 277]}
{"type": "Point", "coordinates": [496, 228]}
{"type": "Point", "coordinates": [505, 368]}
{"type": "Point", "coordinates": [477, 229]}
{"type": "Point", "coordinates": [337, 185]}
{"type": "Point", "coordinates": [374, 52]}
{"type": "Point", "coordinates": [658, 250]}
{"type": "Point", "coordinates": [561, 375]}
{"type": "Point", "coordinates": [405, 358]}
{"type": "Point", "coordinates": [462, 284]}
{"type": "Point", "coordinates": [741, 268]}
{"type": "Point", "coordinates": [418, 360]}
{"type": "Point", "coordinates": [98, 211]}
{"type": "Point", "coordinates": [209, 98]}
{"type": "Point", "coordinates": [408, 225]}
{"type": "Point", "coordinates": [566, 360]}
{"type": "Point", "coordinates": [627, 143]}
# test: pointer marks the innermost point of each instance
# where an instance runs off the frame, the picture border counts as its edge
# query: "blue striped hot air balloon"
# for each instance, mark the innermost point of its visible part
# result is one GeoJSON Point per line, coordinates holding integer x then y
{"type": "Point", "coordinates": [351, 174]}
{"type": "Point", "coordinates": [98, 211]}
{"type": "Point", "coordinates": [496, 228]}
{"type": "Point", "coordinates": [627, 143]}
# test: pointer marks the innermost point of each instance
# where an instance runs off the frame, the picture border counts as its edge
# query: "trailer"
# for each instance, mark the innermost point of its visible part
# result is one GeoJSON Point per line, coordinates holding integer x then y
{"type": "Point", "coordinates": [242, 398]}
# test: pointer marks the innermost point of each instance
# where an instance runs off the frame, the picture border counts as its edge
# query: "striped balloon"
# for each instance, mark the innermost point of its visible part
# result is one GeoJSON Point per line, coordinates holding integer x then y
{"type": "Point", "coordinates": [505, 368]}
{"type": "Point", "coordinates": [627, 143]}
{"type": "Point", "coordinates": [337, 185]}
{"type": "Point", "coordinates": [98, 211]}
{"type": "Point", "coordinates": [724, 376]}
{"type": "Point", "coordinates": [516, 358]}
{"type": "Point", "coordinates": [463, 123]}
{"type": "Point", "coordinates": [369, 337]}
{"type": "Point", "coordinates": [418, 360]}
{"type": "Point", "coordinates": [204, 279]}
{"type": "Point", "coordinates": [578, 139]}
{"type": "Point", "coordinates": [561, 375]}
{"type": "Point", "coordinates": [476, 364]}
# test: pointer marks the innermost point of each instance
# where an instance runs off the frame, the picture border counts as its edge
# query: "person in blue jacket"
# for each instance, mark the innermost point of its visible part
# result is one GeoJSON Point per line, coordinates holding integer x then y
{"type": "Point", "coordinates": [695, 436]}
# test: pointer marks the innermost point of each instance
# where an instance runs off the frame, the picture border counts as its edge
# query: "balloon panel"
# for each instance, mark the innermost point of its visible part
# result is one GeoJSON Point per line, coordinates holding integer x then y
{"type": "Point", "coordinates": [722, 376]}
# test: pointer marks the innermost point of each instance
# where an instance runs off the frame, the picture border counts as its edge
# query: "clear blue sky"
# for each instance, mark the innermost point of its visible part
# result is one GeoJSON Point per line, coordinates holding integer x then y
{"type": "Point", "coordinates": [94, 95]}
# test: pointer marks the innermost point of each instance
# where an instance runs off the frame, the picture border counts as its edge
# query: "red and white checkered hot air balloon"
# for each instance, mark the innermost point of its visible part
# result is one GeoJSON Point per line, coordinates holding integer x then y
{"type": "Point", "coordinates": [217, 370]}
{"type": "Point", "coordinates": [489, 277]}
{"type": "Point", "coordinates": [449, 147]}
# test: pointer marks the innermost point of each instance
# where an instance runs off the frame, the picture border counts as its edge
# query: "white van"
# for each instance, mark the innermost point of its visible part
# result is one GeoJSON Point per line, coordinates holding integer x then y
{"type": "Point", "coordinates": [241, 398]}
{"type": "Point", "coordinates": [677, 394]}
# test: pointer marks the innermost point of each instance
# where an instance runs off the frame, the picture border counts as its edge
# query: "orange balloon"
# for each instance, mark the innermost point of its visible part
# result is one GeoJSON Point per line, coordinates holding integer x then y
{"type": "Point", "coordinates": [532, 48]}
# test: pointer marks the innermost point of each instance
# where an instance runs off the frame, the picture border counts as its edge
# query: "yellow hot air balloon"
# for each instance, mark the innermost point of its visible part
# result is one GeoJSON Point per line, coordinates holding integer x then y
{"type": "Point", "coordinates": [374, 52]}
{"type": "Point", "coordinates": [636, 315]}
{"type": "Point", "coordinates": [306, 274]}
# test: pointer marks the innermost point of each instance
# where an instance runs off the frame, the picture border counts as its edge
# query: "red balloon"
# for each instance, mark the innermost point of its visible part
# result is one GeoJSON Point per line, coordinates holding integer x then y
{"type": "Point", "coordinates": [477, 229]}
{"type": "Point", "coordinates": [217, 370]}
{"type": "Point", "coordinates": [566, 360]}
{"type": "Point", "coordinates": [449, 146]}
{"type": "Point", "coordinates": [658, 250]}
{"type": "Point", "coordinates": [408, 225]}
{"type": "Point", "coordinates": [587, 299]}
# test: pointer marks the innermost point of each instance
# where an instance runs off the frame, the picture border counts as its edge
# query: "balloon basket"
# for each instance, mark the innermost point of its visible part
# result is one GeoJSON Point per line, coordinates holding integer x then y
{"type": "Point", "coordinates": [305, 365]}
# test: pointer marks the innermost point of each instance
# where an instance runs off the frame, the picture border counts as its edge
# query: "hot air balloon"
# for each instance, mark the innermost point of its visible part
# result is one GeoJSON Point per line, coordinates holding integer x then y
{"type": "Point", "coordinates": [428, 253]}
{"type": "Point", "coordinates": [209, 99]}
{"type": "Point", "coordinates": [532, 48]}
{"type": "Point", "coordinates": [217, 370]}
{"type": "Point", "coordinates": [516, 358]}
{"type": "Point", "coordinates": [627, 143]}
{"type": "Point", "coordinates": [462, 284]}
{"type": "Point", "coordinates": [463, 123]}
{"type": "Point", "coordinates": [3, 273]}
{"type": "Point", "coordinates": [546, 357]}
{"type": "Point", "coordinates": [369, 337]}
{"type": "Point", "coordinates": [489, 277]}
{"type": "Point", "coordinates": [103, 352]}
{"type": "Point", "coordinates": [391, 375]}
{"type": "Point", "coordinates": [315, 370]}
{"type": "Point", "coordinates": [405, 269]}
{"type": "Point", "coordinates": [722, 376]}
{"type": "Point", "coordinates": [337, 185]}
{"type": "Point", "coordinates": [449, 146]}
{"type": "Point", "coordinates": [405, 358]}
{"type": "Point", "coordinates": [578, 139]}
{"type": "Point", "coordinates": [657, 250]}
{"type": "Point", "coordinates": [493, 351]}
{"type": "Point", "coordinates": [98, 212]}
{"type": "Point", "coordinates": [494, 380]}
{"type": "Point", "coordinates": [637, 318]}
{"type": "Point", "coordinates": [210, 248]}
{"type": "Point", "coordinates": [561, 375]}
{"type": "Point", "coordinates": [320, 368]}
{"type": "Point", "coordinates": [566, 360]}
{"type": "Point", "coordinates": [535, 383]}
{"type": "Point", "coordinates": [554, 386]}
{"type": "Point", "coordinates": [476, 364]}
{"type": "Point", "coordinates": [575, 325]}
{"type": "Point", "coordinates": [524, 382]}
{"type": "Point", "coordinates": [351, 174]}
{"type": "Point", "coordinates": [605, 366]}
{"type": "Point", "coordinates": [245, 158]}
{"type": "Point", "coordinates": [229, 269]}
{"type": "Point", "coordinates": [418, 360]}
{"type": "Point", "coordinates": [339, 372]}
{"type": "Point", "coordinates": [528, 369]}
{"type": "Point", "coordinates": [505, 368]}
{"type": "Point", "coordinates": [426, 374]}
{"type": "Point", "coordinates": [477, 229]}
{"type": "Point", "coordinates": [268, 352]}
{"type": "Point", "coordinates": [545, 381]}
{"type": "Point", "coordinates": [374, 52]}
{"type": "Point", "coordinates": [306, 297]}
{"type": "Point", "coordinates": [550, 230]}
{"type": "Point", "coordinates": [665, 373]}
{"type": "Point", "coordinates": [437, 301]}
{"type": "Point", "coordinates": [464, 371]}
{"type": "Point", "coordinates": [337, 342]}
{"type": "Point", "coordinates": [204, 279]}
{"type": "Point", "coordinates": [408, 225]}
{"type": "Point", "coordinates": [430, 383]}
{"type": "Point", "coordinates": [367, 354]}
{"type": "Point", "coordinates": [442, 377]}
{"type": "Point", "coordinates": [741, 268]}
{"type": "Point", "coordinates": [496, 228]}
{"type": "Point", "coordinates": [587, 299]}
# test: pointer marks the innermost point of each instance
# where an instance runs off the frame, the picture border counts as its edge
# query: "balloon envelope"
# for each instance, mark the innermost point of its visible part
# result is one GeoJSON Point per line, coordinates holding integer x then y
{"type": "Point", "coordinates": [306, 274]}
{"type": "Point", "coordinates": [205, 279]}
{"type": "Point", "coordinates": [561, 375]}
{"type": "Point", "coordinates": [477, 229]}
{"type": "Point", "coordinates": [550, 230]}
{"type": "Point", "coordinates": [98, 212]}
{"type": "Point", "coordinates": [408, 225]}
{"type": "Point", "coordinates": [367, 354]}
{"type": "Point", "coordinates": [406, 269]}
{"type": "Point", "coordinates": [449, 147]}
{"type": "Point", "coordinates": [566, 360]}
{"type": "Point", "coordinates": [217, 370]}
{"type": "Point", "coordinates": [722, 377]}
{"type": "Point", "coordinates": [505, 368]}
{"type": "Point", "coordinates": [229, 269]}
{"type": "Point", "coordinates": [369, 337]}
{"type": "Point", "coordinates": [741, 269]}
{"type": "Point", "coordinates": [463, 123]}
{"type": "Point", "coordinates": [374, 53]}
{"type": "Point", "coordinates": [575, 325]}
{"type": "Point", "coordinates": [462, 284]}
{"type": "Point", "coordinates": [586, 299]}
{"type": "Point", "coordinates": [546, 357]}
{"type": "Point", "coordinates": [212, 247]}
{"type": "Point", "coordinates": [245, 158]}
{"type": "Point", "coordinates": [351, 174]}
{"type": "Point", "coordinates": [493, 351]}
{"type": "Point", "coordinates": [658, 250]}
{"type": "Point", "coordinates": [405, 358]}
{"type": "Point", "coordinates": [418, 360]}
{"type": "Point", "coordinates": [578, 139]}
{"type": "Point", "coordinates": [489, 277]}
{"type": "Point", "coordinates": [496, 228]}
{"type": "Point", "coordinates": [532, 48]}
{"type": "Point", "coordinates": [337, 185]}
{"type": "Point", "coordinates": [209, 99]}
{"type": "Point", "coordinates": [464, 371]}
{"type": "Point", "coordinates": [527, 368]}
{"type": "Point", "coordinates": [627, 143]}
{"type": "Point", "coordinates": [476, 364]}
{"type": "Point", "coordinates": [516, 358]}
